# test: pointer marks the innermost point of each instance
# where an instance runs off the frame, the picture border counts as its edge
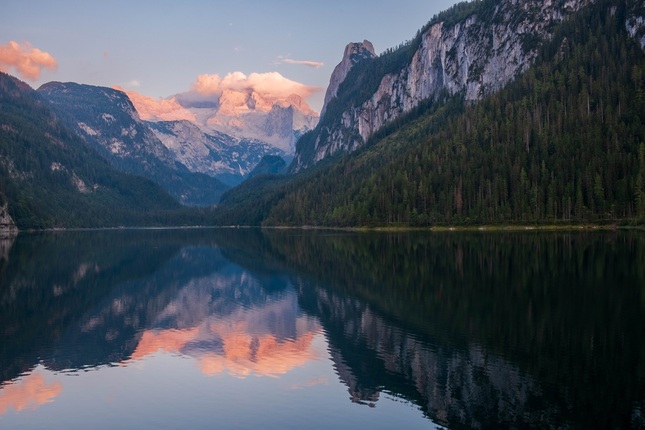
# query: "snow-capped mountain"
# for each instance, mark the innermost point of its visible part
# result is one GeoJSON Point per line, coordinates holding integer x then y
{"type": "Point", "coordinates": [243, 113]}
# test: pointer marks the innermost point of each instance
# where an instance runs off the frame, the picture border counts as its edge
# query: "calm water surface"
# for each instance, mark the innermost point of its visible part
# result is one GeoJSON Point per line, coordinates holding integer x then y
{"type": "Point", "coordinates": [288, 329]}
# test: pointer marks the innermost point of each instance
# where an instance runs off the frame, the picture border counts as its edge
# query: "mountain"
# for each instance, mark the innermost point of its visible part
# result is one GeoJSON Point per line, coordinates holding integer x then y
{"type": "Point", "coordinates": [562, 142]}
{"type": "Point", "coordinates": [213, 153]}
{"type": "Point", "coordinates": [354, 53]}
{"type": "Point", "coordinates": [107, 121]}
{"type": "Point", "coordinates": [50, 178]}
{"type": "Point", "coordinates": [238, 111]}
{"type": "Point", "coordinates": [473, 49]}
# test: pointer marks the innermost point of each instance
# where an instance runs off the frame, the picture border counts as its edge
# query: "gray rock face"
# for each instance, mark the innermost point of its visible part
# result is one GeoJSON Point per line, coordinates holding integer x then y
{"type": "Point", "coordinates": [477, 55]}
{"type": "Point", "coordinates": [215, 154]}
{"type": "Point", "coordinates": [354, 53]}
{"type": "Point", "coordinates": [635, 22]}
{"type": "Point", "coordinates": [7, 225]}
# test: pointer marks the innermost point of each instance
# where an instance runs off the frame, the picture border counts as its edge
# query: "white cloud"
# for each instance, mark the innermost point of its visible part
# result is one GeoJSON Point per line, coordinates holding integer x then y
{"type": "Point", "coordinates": [314, 64]}
{"type": "Point", "coordinates": [133, 83]}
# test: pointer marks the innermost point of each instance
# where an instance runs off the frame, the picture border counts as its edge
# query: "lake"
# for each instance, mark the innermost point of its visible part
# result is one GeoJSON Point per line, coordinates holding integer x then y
{"type": "Point", "coordinates": [273, 329]}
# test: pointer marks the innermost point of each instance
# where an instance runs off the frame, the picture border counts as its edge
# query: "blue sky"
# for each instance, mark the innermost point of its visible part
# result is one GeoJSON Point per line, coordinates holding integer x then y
{"type": "Point", "coordinates": [159, 48]}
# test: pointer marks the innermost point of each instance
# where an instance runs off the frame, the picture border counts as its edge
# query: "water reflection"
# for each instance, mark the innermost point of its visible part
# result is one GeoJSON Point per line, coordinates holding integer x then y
{"type": "Point", "coordinates": [483, 330]}
{"type": "Point", "coordinates": [263, 335]}
{"type": "Point", "coordinates": [538, 330]}
{"type": "Point", "coordinates": [28, 392]}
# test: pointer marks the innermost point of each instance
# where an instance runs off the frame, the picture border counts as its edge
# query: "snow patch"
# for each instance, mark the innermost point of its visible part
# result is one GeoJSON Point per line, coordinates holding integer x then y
{"type": "Point", "coordinates": [634, 25]}
{"type": "Point", "coordinates": [80, 185]}
{"type": "Point", "coordinates": [87, 129]}
{"type": "Point", "coordinates": [116, 146]}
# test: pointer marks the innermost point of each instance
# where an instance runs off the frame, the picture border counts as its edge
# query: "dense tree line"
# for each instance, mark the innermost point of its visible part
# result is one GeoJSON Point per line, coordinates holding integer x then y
{"type": "Point", "coordinates": [564, 143]}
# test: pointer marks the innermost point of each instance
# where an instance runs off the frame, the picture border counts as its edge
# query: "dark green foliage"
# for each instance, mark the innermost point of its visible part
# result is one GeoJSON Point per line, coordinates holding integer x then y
{"type": "Point", "coordinates": [52, 179]}
{"type": "Point", "coordinates": [560, 144]}
{"type": "Point", "coordinates": [269, 165]}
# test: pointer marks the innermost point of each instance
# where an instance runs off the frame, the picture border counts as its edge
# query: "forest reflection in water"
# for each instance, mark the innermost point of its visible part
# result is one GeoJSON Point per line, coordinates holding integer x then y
{"type": "Point", "coordinates": [472, 329]}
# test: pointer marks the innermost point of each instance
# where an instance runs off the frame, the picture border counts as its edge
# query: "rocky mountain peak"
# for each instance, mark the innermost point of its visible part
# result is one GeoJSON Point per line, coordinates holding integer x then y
{"type": "Point", "coordinates": [354, 53]}
{"type": "Point", "coordinates": [474, 49]}
{"type": "Point", "coordinates": [357, 51]}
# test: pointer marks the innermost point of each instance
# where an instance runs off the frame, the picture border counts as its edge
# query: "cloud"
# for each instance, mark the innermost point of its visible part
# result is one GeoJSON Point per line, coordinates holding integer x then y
{"type": "Point", "coordinates": [26, 60]}
{"type": "Point", "coordinates": [229, 94]}
{"type": "Point", "coordinates": [313, 64]}
{"type": "Point", "coordinates": [134, 83]}
{"type": "Point", "coordinates": [28, 392]}
{"type": "Point", "coordinates": [150, 109]}
{"type": "Point", "coordinates": [271, 86]}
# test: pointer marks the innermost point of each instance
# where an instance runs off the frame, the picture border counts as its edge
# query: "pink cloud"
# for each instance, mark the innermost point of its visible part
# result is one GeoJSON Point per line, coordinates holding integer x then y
{"type": "Point", "coordinates": [26, 60]}
{"type": "Point", "coordinates": [151, 109]}
{"type": "Point", "coordinates": [28, 392]}
{"type": "Point", "coordinates": [272, 85]}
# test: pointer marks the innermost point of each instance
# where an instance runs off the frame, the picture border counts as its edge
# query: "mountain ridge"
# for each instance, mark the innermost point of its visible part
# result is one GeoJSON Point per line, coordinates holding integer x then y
{"type": "Point", "coordinates": [107, 120]}
{"type": "Point", "coordinates": [475, 48]}
{"type": "Point", "coordinates": [244, 114]}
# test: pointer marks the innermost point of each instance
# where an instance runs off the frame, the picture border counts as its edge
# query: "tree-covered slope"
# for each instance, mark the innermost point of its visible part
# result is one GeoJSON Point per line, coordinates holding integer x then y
{"type": "Point", "coordinates": [474, 48]}
{"type": "Point", "coordinates": [50, 178]}
{"type": "Point", "coordinates": [564, 142]}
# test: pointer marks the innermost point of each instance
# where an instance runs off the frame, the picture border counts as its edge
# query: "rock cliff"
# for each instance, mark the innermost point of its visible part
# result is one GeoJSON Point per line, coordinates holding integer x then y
{"type": "Point", "coordinates": [473, 49]}
{"type": "Point", "coordinates": [354, 53]}
{"type": "Point", "coordinates": [7, 225]}
{"type": "Point", "coordinates": [635, 22]}
{"type": "Point", "coordinates": [215, 154]}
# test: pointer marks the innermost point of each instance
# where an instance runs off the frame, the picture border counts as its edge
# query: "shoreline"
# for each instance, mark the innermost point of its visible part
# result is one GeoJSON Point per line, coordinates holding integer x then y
{"type": "Point", "coordinates": [391, 229]}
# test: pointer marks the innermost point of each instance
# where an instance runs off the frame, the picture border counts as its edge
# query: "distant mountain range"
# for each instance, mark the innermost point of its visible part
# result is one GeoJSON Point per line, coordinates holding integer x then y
{"type": "Point", "coordinates": [243, 114]}
{"type": "Point", "coordinates": [106, 119]}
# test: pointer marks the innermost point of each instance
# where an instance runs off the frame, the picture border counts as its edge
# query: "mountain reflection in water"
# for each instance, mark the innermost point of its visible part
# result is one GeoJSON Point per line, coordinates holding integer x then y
{"type": "Point", "coordinates": [474, 330]}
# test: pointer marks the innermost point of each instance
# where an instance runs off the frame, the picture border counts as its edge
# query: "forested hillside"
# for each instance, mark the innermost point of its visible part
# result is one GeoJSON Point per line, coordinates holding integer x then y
{"type": "Point", "coordinates": [565, 142]}
{"type": "Point", "coordinates": [50, 178]}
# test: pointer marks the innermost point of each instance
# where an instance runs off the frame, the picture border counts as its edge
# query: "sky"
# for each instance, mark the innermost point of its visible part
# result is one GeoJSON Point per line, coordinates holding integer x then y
{"type": "Point", "coordinates": [162, 48]}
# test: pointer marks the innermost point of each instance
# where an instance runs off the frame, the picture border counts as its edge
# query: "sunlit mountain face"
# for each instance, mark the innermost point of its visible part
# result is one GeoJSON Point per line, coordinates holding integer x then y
{"type": "Point", "coordinates": [263, 107]}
